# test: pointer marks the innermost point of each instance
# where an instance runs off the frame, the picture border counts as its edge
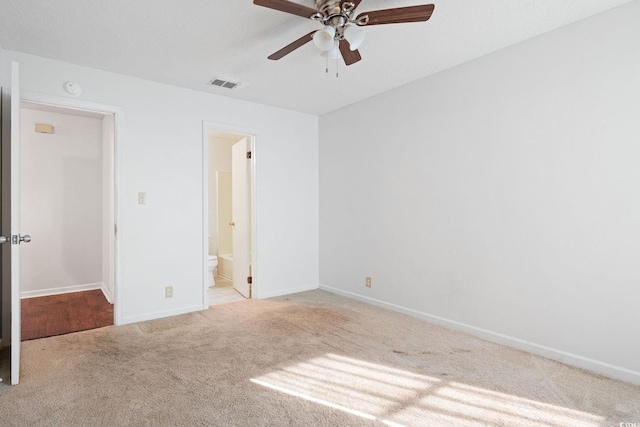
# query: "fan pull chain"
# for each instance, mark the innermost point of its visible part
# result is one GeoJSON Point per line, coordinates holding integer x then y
{"type": "Point", "coordinates": [337, 65]}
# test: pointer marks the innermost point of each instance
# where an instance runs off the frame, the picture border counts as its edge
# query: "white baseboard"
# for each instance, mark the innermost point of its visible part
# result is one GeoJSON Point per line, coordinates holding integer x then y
{"type": "Point", "coordinates": [289, 291]}
{"type": "Point", "coordinates": [63, 290]}
{"type": "Point", "coordinates": [160, 314]}
{"type": "Point", "coordinates": [107, 293]}
{"type": "Point", "coordinates": [597, 366]}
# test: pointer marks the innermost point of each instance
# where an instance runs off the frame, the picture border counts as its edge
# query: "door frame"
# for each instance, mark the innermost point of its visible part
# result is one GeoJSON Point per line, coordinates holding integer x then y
{"type": "Point", "coordinates": [118, 256]}
{"type": "Point", "coordinates": [252, 134]}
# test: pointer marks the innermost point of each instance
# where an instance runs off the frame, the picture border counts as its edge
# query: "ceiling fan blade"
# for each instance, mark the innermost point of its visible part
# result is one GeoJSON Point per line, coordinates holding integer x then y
{"type": "Point", "coordinates": [349, 56]}
{"type": "Point", "coordinates": [287, 6]}
{"type": "Point", "coordinates": [399, 15]}
{"type": "Point", "coordinates": [292, 46]}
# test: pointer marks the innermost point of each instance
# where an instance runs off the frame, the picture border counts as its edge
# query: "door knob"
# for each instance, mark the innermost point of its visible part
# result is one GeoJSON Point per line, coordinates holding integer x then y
{"type": "Point", "coordinates": [15, 239]}
{"type": "Point", "coordinates": [233, 224]}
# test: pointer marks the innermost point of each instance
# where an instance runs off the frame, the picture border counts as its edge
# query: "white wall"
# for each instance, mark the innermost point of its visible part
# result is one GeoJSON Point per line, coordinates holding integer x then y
{"type": "Point", "coordinates": [160, 152]}
{"type": "Point", "coordinates": [60, 203]}
{"type": "Point", "coordinates": [501, 197]}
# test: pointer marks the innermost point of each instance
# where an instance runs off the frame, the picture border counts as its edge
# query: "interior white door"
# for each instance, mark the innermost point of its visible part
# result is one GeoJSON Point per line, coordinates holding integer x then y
{"type": "Point", "coordinates": [11, 208]}
{"type": "Point", "coordinates": [16, 239]}
{"type": "Point", "coordinates": [240, 214]}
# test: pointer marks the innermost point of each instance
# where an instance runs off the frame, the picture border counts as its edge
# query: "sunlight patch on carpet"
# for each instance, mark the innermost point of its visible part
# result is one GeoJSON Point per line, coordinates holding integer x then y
{"type": "Point", "coordinates": [398, 397]}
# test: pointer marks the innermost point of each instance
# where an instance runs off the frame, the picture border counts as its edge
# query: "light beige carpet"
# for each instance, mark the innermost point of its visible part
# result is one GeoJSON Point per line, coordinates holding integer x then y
{"type": "Point", "coordinates": [311, 359]}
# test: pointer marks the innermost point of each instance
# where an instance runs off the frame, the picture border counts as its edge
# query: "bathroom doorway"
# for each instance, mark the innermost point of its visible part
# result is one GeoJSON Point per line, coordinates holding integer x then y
{"type": "Point", "coordinates": [67, 202]}
{"type": "Point", "coordinates": [229, 213]}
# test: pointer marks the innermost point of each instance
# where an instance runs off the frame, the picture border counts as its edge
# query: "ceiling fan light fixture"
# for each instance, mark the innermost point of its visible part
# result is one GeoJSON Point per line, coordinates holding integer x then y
{"type": "Point", "coordinates": [334, 52]}
{"type": "Point", "coordinates": [324, 38]}
{"type": "Point", "coordinates": [341, 24]}
{"type": "Point", "coordinates": [354, 35]}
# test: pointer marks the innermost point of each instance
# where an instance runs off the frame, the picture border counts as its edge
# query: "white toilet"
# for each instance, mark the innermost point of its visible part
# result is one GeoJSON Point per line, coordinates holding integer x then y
{"type": "Point", "coordinates": [212, 264]}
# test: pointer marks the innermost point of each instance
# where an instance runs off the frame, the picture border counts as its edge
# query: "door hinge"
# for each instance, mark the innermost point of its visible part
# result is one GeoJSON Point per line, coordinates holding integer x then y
{"type": "Point", "coordinates": [249, 280]}
{"type": "Point", "coordinates": [248, 154]}
{"type": "Point", "coordinates": [115, 228]}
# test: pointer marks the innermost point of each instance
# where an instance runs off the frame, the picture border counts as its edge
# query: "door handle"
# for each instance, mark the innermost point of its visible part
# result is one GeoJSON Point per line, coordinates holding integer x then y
{"type": "Point", "coordinates": [233, 224]}
{"type": "Point", "coordinates": [15, 239]}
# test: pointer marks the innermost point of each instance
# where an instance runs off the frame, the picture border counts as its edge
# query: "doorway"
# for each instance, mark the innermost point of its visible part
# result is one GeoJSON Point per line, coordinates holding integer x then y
{"type": "Point", "coordinates": [12, 235]}
{"type": "Point", "coordinates": [67, 202]}
{"type": "Point", "coordinates": [229, 213]}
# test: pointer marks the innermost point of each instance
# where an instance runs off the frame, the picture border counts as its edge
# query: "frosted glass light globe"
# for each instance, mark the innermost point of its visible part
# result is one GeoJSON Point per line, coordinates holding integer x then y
{"type": "Point", "coordinates": [354, 35]}
{"type": "Point", "coordinates": [323, 38]}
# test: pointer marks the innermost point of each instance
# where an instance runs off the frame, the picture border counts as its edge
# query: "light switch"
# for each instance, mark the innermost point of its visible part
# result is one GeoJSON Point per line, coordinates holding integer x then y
{"type": "Point", "coordinates": [142, 198]}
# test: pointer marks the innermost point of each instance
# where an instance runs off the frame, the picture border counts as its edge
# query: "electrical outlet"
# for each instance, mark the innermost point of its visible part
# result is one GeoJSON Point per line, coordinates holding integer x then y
{"type": "Point", "coordinates": [368, 282]}
{"type": "Point", "coordinates": [168, 292]}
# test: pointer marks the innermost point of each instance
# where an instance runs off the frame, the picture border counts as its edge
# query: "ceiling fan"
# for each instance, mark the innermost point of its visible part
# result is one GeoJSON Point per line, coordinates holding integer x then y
{"type": "Point", "coordinates": [342, 33]}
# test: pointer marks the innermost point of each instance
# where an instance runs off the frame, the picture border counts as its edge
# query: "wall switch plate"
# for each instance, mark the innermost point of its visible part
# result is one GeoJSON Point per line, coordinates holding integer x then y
{"type": "Point", "coordinates": [368, 282]}
{"type": "Point", "coordinates": [168, 292]}
{"type": "Point", "coordinates": [142, 198]}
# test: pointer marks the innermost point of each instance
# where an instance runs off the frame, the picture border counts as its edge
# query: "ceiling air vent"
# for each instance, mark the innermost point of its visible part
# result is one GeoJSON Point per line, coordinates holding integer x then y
{"type": "Point", "coordinates": [222, 83]}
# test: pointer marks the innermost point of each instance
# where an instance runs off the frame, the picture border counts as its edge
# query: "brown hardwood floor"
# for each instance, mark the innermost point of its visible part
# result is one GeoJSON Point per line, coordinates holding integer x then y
{"type": "Point", "coordinates": [64, 313]}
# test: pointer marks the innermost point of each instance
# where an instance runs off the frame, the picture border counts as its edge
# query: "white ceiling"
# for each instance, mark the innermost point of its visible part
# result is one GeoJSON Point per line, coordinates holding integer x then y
{"type": "Point", "coordinates": [186, 43]}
